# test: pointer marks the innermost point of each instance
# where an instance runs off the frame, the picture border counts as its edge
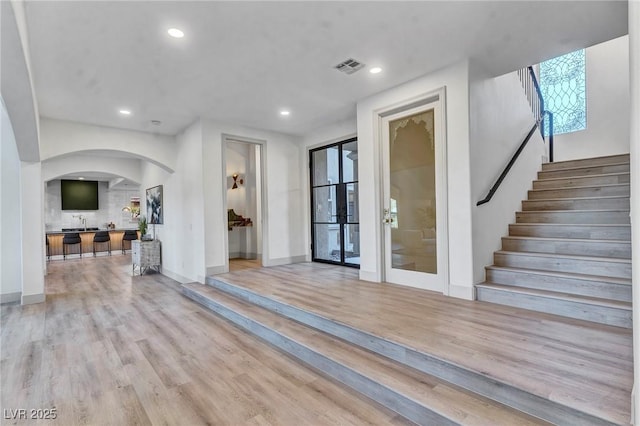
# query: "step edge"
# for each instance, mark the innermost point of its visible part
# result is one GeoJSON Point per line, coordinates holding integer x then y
{"type": "Point", "coordinates": [342, 378]}
{"type": "Point", "coordinates": [604, 197]}
{"type": "Point", "coordinates": [619, 163]}
{"type": "Point", "coordinates": [573, 211]}
{"type": "Point", "coordinates": [590, 158]}
{"type": "Point", "coordinates": [603, 225]}
{"type": "Point", "coordinates": [556, 295]}
{"type": "Point", "coordinates": [576, 240]}
{"type": "Point", "coordinates": [565, 275]}
{"type": "Point", "coordinates": [582, 177]}
{"type": "Point", "coordinates": [496, 387]}
{"type": "Point", "coordinates": [620, 260]}
{"type": "Point", "coordinates": [606, 185]}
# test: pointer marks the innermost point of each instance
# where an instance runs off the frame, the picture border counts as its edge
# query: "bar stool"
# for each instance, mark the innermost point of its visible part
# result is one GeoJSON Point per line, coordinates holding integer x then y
{"type": "Point", "coordinates": [129, 235]}
{"type": "Point", "coordinates": [69, 239]}
{"type": "Point", "coordinates": [101, 237]}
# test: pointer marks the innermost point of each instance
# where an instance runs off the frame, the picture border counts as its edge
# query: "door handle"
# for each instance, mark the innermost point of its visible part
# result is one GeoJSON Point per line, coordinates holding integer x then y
{"type": "Point", "coordinates": [386, 217]}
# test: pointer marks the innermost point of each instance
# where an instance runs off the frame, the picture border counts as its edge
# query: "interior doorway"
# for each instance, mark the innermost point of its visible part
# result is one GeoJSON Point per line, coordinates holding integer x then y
{"type": "Point", "coordinates": [335, 217]}
{"type": "Point", "coordinates": [414, 198]}
{"type": "Point", "coordinates": [244, 203]}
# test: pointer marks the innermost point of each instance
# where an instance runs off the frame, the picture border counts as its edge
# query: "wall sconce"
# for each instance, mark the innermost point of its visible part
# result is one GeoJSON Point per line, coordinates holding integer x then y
{"type": "Point", "coordinates": [236, 181]}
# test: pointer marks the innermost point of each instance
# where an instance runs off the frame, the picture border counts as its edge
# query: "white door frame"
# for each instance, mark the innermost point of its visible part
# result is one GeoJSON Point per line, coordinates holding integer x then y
{"type": "Point", "coordinates": [263, 192]}
{"type": "Point", "coordinates": [437, 96]}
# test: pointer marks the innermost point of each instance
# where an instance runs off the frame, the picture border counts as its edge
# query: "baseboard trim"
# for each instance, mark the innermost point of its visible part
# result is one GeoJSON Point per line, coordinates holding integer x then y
{"type": "Point", "coordinates": [369, 276]}
{"type": "Point", "coordinates": [10, 297]}
{"type": "Point", "coordinates": [243, 255]}
{"type": "Point", "coordinates": [462, 292]}
{"type": "Point", "coordinates": [284, 260]}
{"type": "Point", "coordinates": [215, 270]}
{"type": "Point", "coordinates": [176, 277]}
{"type": "Point", "coordinates": [30, 299]}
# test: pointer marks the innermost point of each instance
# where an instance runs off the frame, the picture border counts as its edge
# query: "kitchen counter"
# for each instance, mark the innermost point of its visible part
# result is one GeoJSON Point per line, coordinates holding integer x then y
{"type": "Point", "coordinates": [55, 242]}
{"type": "Point", "coordinates": [89, 230]}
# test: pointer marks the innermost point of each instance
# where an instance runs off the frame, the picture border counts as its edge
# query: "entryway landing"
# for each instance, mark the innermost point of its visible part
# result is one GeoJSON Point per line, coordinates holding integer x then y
{"type": "Point", "coordinates": [417, 351]}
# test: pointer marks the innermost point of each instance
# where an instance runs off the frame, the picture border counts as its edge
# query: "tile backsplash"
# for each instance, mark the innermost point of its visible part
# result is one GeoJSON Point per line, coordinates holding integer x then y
{"type": "Point", "coordinates": [110, 202]}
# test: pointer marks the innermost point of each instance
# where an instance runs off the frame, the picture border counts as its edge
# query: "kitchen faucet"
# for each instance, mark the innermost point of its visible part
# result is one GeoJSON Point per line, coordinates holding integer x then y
{"type": "Point", "coordinates": [82, 219]}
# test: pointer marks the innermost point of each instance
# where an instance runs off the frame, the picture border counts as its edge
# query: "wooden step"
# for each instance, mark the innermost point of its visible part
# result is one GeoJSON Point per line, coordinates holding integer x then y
{"type": "Point", "coordinates": [572, 306]}
{"type": "Point", "coordinates": [585, 171]}
{"type": "Point", "coordinates": [569, 182]}
{"type": "Point", "coordinates": [575, 217]}
{"type": "Point", "coordinates": [475, 381]}
{"type": "Point", "coordinates": [556, 230]}
{"type": "Point", "coordinates": [590, 203]}
{"type": "Point", "coordinates": [580, 247]}
{"type": "Point", "coordinates": [579, 192]}
{"type": "Point", "coordinates": [589, 265]}
{"type": "Point", "coordinates": [587, 162]}
{"type": "Point", "coordinates": [579, 284]}
{"type": "Point", "coordinates": [420, 397]}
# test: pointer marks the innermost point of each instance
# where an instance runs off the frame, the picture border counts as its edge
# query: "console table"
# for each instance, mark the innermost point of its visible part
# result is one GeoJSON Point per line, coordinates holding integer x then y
{"type": "Point", "coordinates": [145, 255]}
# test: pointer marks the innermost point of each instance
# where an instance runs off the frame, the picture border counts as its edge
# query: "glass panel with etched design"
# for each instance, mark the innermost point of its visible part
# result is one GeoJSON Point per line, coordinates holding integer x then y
{"type": "Point", "coordinates": [413, 188]}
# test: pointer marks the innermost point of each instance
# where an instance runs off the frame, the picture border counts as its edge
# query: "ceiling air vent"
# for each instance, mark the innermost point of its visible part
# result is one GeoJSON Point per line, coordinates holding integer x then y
{"type": "Point", "coordinates": [349, 66]}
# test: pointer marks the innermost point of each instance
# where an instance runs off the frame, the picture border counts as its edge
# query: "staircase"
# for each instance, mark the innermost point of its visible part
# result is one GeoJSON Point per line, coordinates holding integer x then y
{"type": "Point", "coordinates": [569, 252]}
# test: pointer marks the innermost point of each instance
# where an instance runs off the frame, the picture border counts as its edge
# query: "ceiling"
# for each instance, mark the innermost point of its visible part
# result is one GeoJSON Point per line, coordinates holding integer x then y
{"type": "Point", "coordinates": [242, 62]}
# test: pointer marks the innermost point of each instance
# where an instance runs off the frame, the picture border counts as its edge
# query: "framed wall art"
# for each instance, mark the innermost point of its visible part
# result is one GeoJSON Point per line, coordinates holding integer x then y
{"type": "Point", "coordinates": [155, 211]}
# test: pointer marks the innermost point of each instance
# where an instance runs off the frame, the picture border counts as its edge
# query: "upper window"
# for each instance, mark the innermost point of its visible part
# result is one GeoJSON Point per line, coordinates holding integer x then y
{"type": "Point", "coordinates": [563, 85]}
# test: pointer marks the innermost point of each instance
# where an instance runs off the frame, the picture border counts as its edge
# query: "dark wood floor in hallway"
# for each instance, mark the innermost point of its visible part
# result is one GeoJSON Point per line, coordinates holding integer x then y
{"type": "Point", "coordinates": [111, 349]}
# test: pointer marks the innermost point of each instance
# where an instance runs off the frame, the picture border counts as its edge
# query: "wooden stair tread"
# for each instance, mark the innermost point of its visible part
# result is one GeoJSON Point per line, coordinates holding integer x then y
{"type": "Point", "coordinates": [619, 163]}
{"type": "Point", "coordinates": [573, 211]}
{"type": "Point", "coordinates": [559, 296]}
{"type": "Point", "coordinates": [431, 392]}
{"type": "Point", "coordinates": [603, 197]}
{"type": "Point", "coordinates": [585, 176]}
{"type": "Point", "coordinates": [559, 239]}
{"type": "Point", "coordinates": [566, 256]}
{"type": "Point", "coordinates": [607, 185]}
{"type": "Point", "coordinates": [603, 225]}
{"type": "Point", "coordinates": [578, 169]}
{"type": "Point", "coordinates": [571, 275]}
{"type": "Point", "coordinates": [602, 157]}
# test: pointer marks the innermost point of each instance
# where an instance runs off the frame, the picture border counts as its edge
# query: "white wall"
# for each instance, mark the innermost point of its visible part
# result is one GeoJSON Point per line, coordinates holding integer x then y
{"type": "Point", "coordinates": [128, 168]}
{"type": "Point", "coordinates": [282, 215]}
{"type": "Point", "coordinates": [61, 138]}
{"type": "Point", "coordinates": [110, 203]}
{"type": "Point", "coordinates": [33, 245]}
{"type": "Point", "coordinates": [499, 119]}
{"type": "Point", "coordinates": [10, 219]}
{"type": "Point", "coordinates": [182, 233]}
{"type": "Point", "coordinates": [607, 132]}
{"type": "Point", "coordinates": [327, 135]}
{"type": "Point", "coordinates": [456, 81]}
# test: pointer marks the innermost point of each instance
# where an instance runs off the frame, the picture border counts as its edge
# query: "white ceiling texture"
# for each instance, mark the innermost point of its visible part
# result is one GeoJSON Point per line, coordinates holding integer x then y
{"type": "Point", "coordinates": [241, 62]}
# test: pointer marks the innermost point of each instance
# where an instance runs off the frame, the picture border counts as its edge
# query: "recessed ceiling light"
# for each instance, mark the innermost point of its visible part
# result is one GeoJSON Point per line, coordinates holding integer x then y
{"type": "Point", "coordinates": [176, 33]}
{"type": "Point", "coordinates": [375, 70]}
{"type": "Point", "coordinates": [80, 178]}
{"type": "Point", "coordinates": [125, 112]}
{"type": "Point", "coordinates": [285, 112]}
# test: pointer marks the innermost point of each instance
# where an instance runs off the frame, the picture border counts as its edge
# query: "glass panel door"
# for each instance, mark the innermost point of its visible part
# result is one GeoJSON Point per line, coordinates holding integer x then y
{"type": "Point", "coordinates": [414, 204]}
{"type": "Point", "coordinates": [334, 204]}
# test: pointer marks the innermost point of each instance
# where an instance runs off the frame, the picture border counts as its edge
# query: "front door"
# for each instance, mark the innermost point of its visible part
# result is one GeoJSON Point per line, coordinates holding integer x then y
{"type": "Point", "coordinates": [335, 222]}
{"type": "Point", "coordinates": [414, 200]}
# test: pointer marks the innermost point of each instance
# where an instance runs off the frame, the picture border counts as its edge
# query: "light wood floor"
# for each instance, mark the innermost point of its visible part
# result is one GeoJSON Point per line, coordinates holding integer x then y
{"type": "Point", "coordinates": [111, 349]}
{"type": "Point", "coordinates": [586, 365]}
{"type": "Point", "coordinates": [242, 264]}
